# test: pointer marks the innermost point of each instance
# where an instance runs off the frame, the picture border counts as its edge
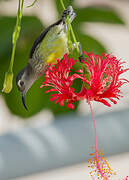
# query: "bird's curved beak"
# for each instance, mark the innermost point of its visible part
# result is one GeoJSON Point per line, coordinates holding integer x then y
{"type": "Point", "coordinates": [23, 100]}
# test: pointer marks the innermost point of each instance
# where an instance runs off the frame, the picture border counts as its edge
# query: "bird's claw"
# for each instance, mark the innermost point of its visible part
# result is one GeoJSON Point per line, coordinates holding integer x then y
{"type": "Point", "coordinates": [69, 12]}
{"type": "Point", "coordinates": [81, 58]}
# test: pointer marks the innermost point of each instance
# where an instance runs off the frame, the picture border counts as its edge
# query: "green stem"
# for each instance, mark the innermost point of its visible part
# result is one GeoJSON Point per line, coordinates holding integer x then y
{"type": "Point", "coordinates": [12, 59]}
{"type": "Point", "coordinates": [72, 32]}
{"type": "Point", "coordinates": [61, 1]}
{"type": "Point", "coordinates": [8, 81]}
{"type": "Point", "coordinates": [74, 37]}
{"type": "Point", "coordinates": [16, 33]}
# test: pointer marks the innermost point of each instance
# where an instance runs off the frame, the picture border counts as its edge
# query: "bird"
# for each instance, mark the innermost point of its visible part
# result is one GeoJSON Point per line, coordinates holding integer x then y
{"type": "Point", "coordinates": [50, 45]}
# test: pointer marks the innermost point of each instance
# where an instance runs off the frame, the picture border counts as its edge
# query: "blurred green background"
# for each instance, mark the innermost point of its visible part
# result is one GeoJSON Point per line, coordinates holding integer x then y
{"type": "Point", "coordinates": [31, 28]}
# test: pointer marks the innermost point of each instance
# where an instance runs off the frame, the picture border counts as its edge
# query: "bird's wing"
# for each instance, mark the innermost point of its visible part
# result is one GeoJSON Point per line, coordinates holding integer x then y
{"type": "Point", "coordinates": [40, 39]}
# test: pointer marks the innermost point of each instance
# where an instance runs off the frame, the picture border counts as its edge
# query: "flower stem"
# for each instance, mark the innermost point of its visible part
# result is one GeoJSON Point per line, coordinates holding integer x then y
{"type": "Point", "coordinates": [71, 29]}
{"type": "Point", "coordinates": [16, 32]}
{"type": "Point", "coordinates": [61, 1]}
{"type": "Point", "coordinates": [8, 81]}
{"type": "Point", "coordinates": [96, 145]}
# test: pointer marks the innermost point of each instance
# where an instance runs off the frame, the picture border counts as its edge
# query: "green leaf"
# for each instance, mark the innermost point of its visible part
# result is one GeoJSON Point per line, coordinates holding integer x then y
{"type": "Point", "coordinates": [98, 14]}
{"type": "Point", "coordinates": [90, 44]}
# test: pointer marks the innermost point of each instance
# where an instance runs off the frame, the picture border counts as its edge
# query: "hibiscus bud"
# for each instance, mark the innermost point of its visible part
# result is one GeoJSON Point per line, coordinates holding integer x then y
{"type": "Point", "coordinates": [7, 87]}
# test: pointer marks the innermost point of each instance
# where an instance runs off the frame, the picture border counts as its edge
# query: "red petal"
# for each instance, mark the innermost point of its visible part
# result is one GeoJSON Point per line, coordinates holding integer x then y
{"type": "Point", "coordinates": [104, 102]}
{"type": "Point", "coordinates": [62, 103]}
{"type": "Point", "coordinates": [115, 102]}
{"type": "Point", "coordinates": [71, 106]}
{"type": "Point", "coordinates": [53, 98]}
{"type": "Point", "coordinates": [50, 90]}
{"type": "Point", "coordinates": [58, 100]}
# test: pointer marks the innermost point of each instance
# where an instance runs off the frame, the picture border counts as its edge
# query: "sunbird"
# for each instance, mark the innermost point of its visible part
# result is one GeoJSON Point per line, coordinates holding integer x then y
{"type": "Point", "coordinates": [50, 45]}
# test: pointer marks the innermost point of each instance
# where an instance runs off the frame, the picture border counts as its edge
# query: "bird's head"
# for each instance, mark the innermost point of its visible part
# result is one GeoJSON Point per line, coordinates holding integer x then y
{"type": "Point", "coordinates": [24, 81]}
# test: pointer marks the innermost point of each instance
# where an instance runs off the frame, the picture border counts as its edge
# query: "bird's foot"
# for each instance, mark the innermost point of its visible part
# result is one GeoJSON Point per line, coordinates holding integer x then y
{"type": "Point", "coordinates": [81, 57]}
{"type": "Point", "coordinates": [68, 12]}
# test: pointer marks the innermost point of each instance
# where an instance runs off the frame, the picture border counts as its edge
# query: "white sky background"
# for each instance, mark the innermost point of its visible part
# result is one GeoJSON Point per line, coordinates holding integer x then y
{"type": "Point", "coordinates": [114, 37]}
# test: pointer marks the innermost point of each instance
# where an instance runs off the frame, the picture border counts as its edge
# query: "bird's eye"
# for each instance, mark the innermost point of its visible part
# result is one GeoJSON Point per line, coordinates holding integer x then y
{"type": "Point", "coordinates": [21, 83]}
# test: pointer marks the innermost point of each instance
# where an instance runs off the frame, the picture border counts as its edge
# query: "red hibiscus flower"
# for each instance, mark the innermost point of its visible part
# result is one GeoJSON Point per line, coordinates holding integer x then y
{"type": "Point", "coordinates": [100, 76]}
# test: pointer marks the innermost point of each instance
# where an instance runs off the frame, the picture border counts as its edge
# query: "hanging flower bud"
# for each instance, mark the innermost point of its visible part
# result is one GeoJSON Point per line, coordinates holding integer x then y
{"type": "Point", "coordinates": [8, 81]}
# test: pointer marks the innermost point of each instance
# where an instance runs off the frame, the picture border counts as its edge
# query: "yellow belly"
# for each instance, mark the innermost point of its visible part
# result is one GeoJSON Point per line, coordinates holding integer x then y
{"type": "Point", "coordinates": [52, 57]}
{"type": "Point", "coordinates": [57, 50]}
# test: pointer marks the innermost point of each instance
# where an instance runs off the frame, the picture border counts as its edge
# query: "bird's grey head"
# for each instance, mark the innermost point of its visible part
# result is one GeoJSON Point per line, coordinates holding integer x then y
{"type": "Point", "coordinates": [24, 81]}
